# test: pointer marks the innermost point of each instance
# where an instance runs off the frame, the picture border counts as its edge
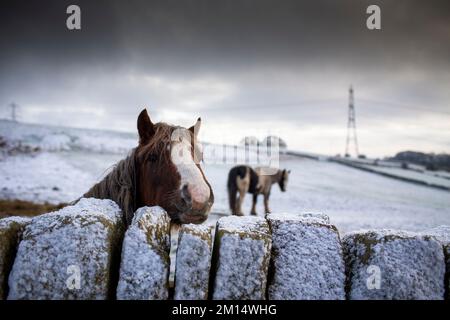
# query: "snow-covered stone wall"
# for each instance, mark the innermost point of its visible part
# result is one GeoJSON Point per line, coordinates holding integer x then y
{"type": "Point", "coordinates": [193, 262]}
{"type": "Point", "coordinates": [442, 234]}
{"type": "Point", "coordinates": [145, 264]}
{"type": "Point", "coordinates": [385, 264]}
{"type": "Point", "coordinates": [83, 252]}
{"type": "Point", "coordinates": [307, 259]}
{"type": "Point", "coordinates": [241, 259]}
{"type": "Point", "coordinates": [10, 232]}
{"type": "Point", "coordinates": [68, 254]}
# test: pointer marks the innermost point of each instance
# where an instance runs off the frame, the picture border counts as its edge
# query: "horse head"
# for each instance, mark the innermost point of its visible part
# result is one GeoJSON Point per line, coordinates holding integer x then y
{"type": "Point", "coordinates": [168, 171]}
{"type": "Point", "coordinates": [283, 179]}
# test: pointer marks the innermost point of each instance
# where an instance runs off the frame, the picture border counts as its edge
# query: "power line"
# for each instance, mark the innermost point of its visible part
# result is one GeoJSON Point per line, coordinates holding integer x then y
{"type": "Point", "coordinates": [374, 105]}
{"type": "Point", "coordinates": [379, 103]}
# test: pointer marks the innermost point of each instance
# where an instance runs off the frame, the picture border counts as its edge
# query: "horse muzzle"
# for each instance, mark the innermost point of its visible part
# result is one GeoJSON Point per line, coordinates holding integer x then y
{"type": "Point", "coordinates": [192, 211]}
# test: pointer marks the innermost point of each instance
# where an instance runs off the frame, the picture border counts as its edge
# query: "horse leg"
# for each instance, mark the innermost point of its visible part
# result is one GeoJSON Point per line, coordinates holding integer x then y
{"type": "Point", "coordinates": [232, 198]}
{"type": "Point", "coordinates": [235, 203]}
{"type": "Point", "coordinates": [242, 186]}
{"type": "Point", "coordinates": [255, 199]}
{"type": "Point", "coordinates": [239, 202]}
{"type": "Point", "coordinates": [266, 202]}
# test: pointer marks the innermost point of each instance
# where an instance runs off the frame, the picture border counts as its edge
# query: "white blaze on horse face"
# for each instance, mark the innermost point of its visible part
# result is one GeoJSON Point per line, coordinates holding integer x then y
{"type": "Point", "coordinates": [181, 154]}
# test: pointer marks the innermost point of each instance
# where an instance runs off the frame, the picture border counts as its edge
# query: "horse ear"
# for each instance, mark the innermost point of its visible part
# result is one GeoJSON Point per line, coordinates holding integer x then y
{"type": "Point", "coordinates": [145, 127]}
{"type": "Point", "coordinates": [196, 127]}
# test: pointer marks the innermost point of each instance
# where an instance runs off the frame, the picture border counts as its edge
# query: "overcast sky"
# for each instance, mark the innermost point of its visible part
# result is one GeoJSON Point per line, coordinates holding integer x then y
{"type": "Point", "coordinates": [246, 67]}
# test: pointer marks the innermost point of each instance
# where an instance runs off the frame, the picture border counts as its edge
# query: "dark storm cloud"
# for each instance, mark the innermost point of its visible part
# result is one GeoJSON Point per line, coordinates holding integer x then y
{"type": "Point", "coordinates": [259, 61]}
{"type": "Point", "coordinates": [214, 35]}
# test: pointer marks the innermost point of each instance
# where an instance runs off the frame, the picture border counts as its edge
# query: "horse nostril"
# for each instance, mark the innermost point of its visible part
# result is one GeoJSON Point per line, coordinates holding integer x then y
{"type": "Point", "coordinates": [185, 195]}
{"type": "Point", "coordinates": [199, 195]}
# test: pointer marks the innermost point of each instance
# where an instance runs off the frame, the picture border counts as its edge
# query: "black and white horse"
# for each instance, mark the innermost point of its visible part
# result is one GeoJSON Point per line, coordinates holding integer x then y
{"type": "Point", "coordinates": [243, 179]}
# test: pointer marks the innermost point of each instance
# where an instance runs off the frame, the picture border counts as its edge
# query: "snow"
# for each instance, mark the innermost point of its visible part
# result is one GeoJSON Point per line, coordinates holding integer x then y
{"type": "Point", "coordinates": [439, 173]}
{"type": "Point", "coordinates": [193, 262]}
{"type": "Point", "coordinates": [235, 224]}
{"type": "Point", "coordinates": [145, 260]}
{"type": "Point", "coordinates": [353, 199]}
{"type": "Point", "coordinates": [307, 259]}
{"type": "Point", "coordinates": [307, 217]}
{"type": "Point", "coordinates": [441, 233]}
{"type": "Point", "coordinates": [42, 178]}
{"type": "Point", "coordinates": [67, 254]}
{"type": "Point", "coordinates": [428, 178]}
{"type": "Point", "coordinates": [6, 222]}
{"type": "Point", "coordinates": [71, 160]}
{"type": "Point", "coordinates": [10, 232]}
{"type": "Point", "coordinates": [55, 142]}
{"type": "Point", "coordinates": [241, 258]}
{"type": "Point", "coordinates": [54, 138]}
{"type": "Point", "coordinates": [407, 265]}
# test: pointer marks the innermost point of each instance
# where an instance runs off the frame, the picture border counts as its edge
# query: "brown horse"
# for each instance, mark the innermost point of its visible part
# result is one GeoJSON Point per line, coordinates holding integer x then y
{"type": "Point", "coordinates": [266, 178]}
{"type": "Point", "coordinates": [163, 170]}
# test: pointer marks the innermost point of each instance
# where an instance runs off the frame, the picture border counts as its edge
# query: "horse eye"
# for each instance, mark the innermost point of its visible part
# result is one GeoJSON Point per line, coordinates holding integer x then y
{"type": "Point", "coordinates": [152, 158]}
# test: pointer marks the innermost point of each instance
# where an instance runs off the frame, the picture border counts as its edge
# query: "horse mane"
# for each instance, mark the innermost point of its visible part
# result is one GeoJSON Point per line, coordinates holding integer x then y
{"type": "Point", "coordinates": [121, 183]}
{"type": "Point", "coordinates": [161, 138]}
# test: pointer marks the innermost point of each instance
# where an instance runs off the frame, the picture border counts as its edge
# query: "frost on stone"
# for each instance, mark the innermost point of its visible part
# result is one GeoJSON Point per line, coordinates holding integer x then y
{"type": "Point", "coordinates": [193, 262]}
{"type": "Point", "coordinates": [318, 217]}
{"type": "Point", "coordinates": [10, 233]}
{"type": "Point", "coordinates": [442, 234]}
{"type": "Point", "coordinates": [307, 258]}
{"type": "Point", "coordinates": [144, 268]}
{"type": "Point", "coordinates": [241, 258]}
{"type": "Point", "coordinates": [68, 254]}
{"type": "Point", "coordinates": [387, 264]}
{"type": "Point", "coordinates": [322, 216]}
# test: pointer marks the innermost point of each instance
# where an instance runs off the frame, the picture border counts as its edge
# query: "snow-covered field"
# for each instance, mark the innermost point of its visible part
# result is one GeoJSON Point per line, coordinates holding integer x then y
{"type": "Point", "coordinates": [353, 199]}
{"type": "Point", "coordinates": [426, 176]}
{"type": "Point", "coordinates": [413, 173]}
{"type": "Point", "coordinates": [72, 160]}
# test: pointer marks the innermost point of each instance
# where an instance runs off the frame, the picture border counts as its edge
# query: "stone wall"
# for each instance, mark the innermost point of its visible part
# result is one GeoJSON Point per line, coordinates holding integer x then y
{"type": "Point", "coordinates": [84, 252]}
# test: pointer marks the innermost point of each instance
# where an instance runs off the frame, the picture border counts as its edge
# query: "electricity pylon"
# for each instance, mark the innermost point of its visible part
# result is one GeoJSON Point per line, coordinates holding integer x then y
{"type": "Point", "coordinates": [351, 125]}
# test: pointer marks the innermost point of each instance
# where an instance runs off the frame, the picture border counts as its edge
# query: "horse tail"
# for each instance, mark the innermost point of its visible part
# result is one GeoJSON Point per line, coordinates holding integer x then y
{"type": "Point", "coordinates": [232, 190]}
{"type": "Point", "coordinates": [232, 186]}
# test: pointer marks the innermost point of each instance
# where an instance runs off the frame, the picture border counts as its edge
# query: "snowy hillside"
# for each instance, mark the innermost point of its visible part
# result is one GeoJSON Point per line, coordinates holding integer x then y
{"type": "Point", "coordinates": [72, 160]}
{"type": "Point", "coordinates": [52, 138]}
